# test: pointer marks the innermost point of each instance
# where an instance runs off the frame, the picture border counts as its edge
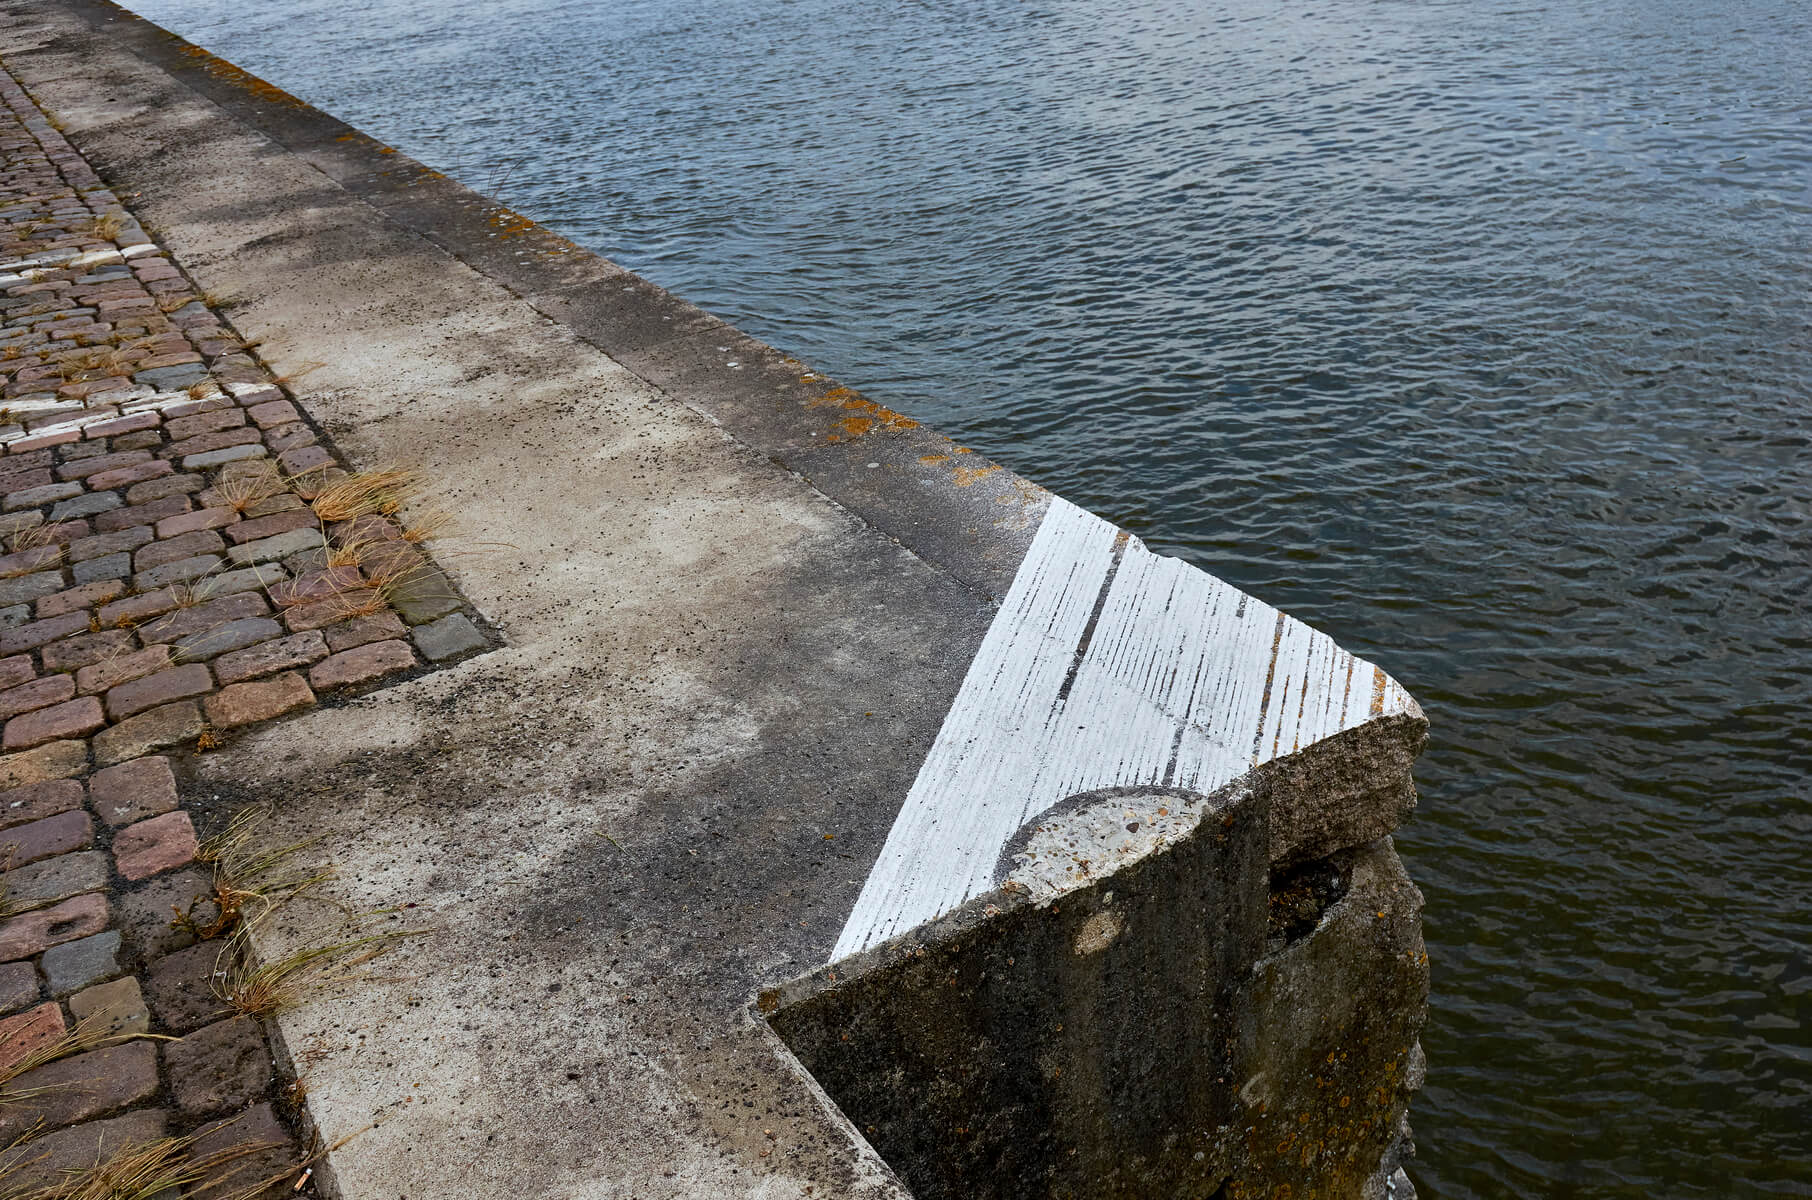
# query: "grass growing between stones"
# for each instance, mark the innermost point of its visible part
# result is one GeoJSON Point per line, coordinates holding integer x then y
{"type": "Point", "coordinates": [367, 493]}
{"type": "Point", "coordinates": [152, 1170]}
{"type": "Point", "coordinates": [252, 878]}
{"type": "Point", "coordinates": [92, 1033]}
{"type": "Point", "coordinates": [107, 227]}
{"type": "Point", "coordinates": [41, 536]}
{"type": "Point", "coordinates": [319, 969]}
{"type": "Point", "coordinates": [240, 492]}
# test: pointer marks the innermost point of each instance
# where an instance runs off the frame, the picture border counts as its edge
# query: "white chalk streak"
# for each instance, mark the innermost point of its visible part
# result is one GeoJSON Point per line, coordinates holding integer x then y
{"type": "Point", "coordinates": [1184, 680]}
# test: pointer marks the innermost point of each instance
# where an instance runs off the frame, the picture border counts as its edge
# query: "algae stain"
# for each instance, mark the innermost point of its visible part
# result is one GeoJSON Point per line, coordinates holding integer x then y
{"type": "Point", "coordinates": [872, 415]}
{"type": "Point", "coordinates": [966, 476]}
{"type": "Point", "coordinates": [226, 72]}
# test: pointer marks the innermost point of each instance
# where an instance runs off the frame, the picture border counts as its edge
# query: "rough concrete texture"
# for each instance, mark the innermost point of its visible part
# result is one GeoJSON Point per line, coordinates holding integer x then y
{"type": "Point", "coordinates": [1070, 1036]}
{"type": "Point", "coordinates": [1344, 791]}
{"type": "Point", "coordinates": [729, 644]}
{"type": "Point", "coordinates": [685, 679]}
{"type": "Point", "coordinates": [1328, 1054]}
{"type": "Point", "coordinates": [1074, 1046]}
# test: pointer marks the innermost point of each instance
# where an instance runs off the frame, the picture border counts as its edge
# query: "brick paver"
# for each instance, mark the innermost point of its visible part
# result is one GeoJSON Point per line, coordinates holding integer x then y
{"type": "Point", "coordinates": [219, 1066]}
{"type": "Point", "coordinates": [82, 1087]}
{"type": "Point", "coordinates": [259, 700]}
{"type": "Point", "coordinates": [360, 665]}
{"type": "Point", "coordinates": [26, 1032]}
{"type": "Point", "coordinates": [36, 932]}
{"type": "Point", "coordinates": [45, 838]}
{"type": "Point", "coordinates": [164, 581]}
{"type": "Point", "coordinates": [133, 791]}
{"type": "Point", "coordinates": [149, 847]}
{"type": "Point", "coordinates": [35, 801]}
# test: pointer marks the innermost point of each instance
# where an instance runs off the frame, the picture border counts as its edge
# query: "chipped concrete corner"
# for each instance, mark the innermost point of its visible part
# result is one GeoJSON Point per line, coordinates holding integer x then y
{"type": "Point", "coordinates": [1059, 867]}
{"type": "Point", "coordinates": [1147, 1006]}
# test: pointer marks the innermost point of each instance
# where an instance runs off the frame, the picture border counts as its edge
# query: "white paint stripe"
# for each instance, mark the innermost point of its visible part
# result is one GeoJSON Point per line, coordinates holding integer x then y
{"type": "Point", "coordinates": [1171, 687]}
{"type": "Point", "coordinates": [992, 734]}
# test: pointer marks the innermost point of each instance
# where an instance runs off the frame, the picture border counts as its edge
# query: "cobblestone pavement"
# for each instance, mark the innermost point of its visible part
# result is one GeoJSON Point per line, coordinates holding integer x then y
{"type": "Point", "coordinates": [169, 576]}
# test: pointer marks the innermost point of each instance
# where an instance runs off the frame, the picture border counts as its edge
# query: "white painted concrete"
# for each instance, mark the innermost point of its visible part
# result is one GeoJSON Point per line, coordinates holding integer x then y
{"type": "Point", "coordinates": [1183, 680]}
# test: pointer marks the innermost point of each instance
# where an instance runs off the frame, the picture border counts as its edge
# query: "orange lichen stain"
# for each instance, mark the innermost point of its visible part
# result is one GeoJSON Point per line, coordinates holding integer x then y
{"type": "Point", "coordinates": [872, 414]}
{"type": "Point", "coordinates": [1025, 494]}
{"type": "Point", "coordinates": [934, 458]}
{"type": "Point", "coordinates": [968, 475]}
{"type": "Point", "coordinates": [511, 224]}
{"type": "Point", "coordinates": [386, 149]}
{"type": "Point", "coordinates": [225, 71]}
{"type": "Point", "coordinates": [833, 398]}
{"type": "Point", "coordinates": [347, 137]}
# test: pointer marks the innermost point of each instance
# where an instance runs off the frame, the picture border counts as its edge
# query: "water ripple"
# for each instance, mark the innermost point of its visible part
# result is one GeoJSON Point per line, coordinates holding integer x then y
{"type": "Point", "coordinates": [1477, 334]}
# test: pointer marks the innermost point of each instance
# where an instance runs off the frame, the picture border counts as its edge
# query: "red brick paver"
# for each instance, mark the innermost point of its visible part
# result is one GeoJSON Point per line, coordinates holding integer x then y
{"type": "Point", "coordinates": [159, 560]}
{"type": "Point", "coordinates": [150, 847]}
{"type": "Point", "coordinates": [133, 791]}
{"type": "Point", "coordinates": [259, 700]}
{"type": "Point", "coordinates": [35, 932]}
{"type": "Point", "coordinates": [360, 665]}
{"type": "Point", "coordinates": [165, 687]}
{"type": "Point", "coordinates": [71, 719]}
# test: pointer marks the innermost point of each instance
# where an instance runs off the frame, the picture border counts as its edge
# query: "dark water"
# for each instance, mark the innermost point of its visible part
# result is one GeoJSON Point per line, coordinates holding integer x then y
{"type": "Point", "coordinates": [1478, 334]}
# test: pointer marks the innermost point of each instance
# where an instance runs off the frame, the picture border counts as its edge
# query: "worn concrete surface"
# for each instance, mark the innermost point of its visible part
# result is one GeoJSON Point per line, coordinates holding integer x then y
{"type": "Point", "coordinates": [1146, 1007]}
{"type": "Point", "coordinates": [730, 644]}
{"type": "Point", "coordinates": [695, 652]}
{"type": "Point", "coordinates": [1047, 1046]}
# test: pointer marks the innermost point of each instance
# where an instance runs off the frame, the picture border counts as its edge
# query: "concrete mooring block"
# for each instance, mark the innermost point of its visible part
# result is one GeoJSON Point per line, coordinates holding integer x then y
{"type": "Point", "coordinates": [1141, 1008]}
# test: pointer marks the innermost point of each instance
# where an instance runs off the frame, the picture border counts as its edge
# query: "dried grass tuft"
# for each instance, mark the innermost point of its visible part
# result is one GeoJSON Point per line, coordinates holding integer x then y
{"type": "Point", "coordinates": [42, 537]}
{"type": "Point", "coordinates": [426, 525]}
{"type": "Point", "coordinates": [253, 875]}
{"type": "Point", "coordinates": [320, 969]}
{"type": "Point", "coordinates": [243, 491]}
{"type": "Point", "coordinates": [150, 1170]}
{"type": "Point", "coordinates": [298, 372]}
{"type": "Point", "coordinates": [367, 493]}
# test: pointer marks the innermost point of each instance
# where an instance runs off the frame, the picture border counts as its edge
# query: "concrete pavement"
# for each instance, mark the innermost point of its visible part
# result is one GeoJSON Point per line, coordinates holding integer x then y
{"type": "Point", "coordinates": [783, 674]}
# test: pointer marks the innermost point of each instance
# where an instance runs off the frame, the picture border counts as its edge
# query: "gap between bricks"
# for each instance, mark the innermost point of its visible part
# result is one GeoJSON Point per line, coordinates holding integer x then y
{"type": "Point", "coordinates": [183, 557]}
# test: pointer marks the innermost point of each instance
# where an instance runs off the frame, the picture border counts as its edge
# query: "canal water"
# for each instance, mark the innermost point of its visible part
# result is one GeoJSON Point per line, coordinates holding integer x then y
{"type": "Point", "coordinates": [1478, 334]}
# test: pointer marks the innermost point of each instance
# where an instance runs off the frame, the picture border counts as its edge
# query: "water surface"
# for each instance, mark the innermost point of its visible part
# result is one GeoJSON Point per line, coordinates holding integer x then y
{"type": "Point", "coordinates": [1477, 334]}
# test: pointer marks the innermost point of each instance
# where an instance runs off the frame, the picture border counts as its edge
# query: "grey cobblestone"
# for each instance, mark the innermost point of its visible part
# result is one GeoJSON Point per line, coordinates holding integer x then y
{"type": "Point", "coordinates": [85, 961]}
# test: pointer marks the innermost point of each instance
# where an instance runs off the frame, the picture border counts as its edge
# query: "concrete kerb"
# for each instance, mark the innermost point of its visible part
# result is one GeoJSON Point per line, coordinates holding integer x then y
{"type": "Point", "coordinates": [662, 796]}
{"type": "Point", "coordinates": [769, 401]}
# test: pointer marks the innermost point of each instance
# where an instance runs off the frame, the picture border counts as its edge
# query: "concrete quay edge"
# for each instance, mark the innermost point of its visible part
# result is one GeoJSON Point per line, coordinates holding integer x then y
{"type": "Point", "coordinates": [732, 645]}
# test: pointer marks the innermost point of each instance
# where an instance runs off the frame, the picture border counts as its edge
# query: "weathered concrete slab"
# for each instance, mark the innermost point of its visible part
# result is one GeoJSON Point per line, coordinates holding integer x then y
{"type": "Point", "coordinates": [784, 675]}
{"type": "Point", "coordinates": [1043, 1045]}
{"type": "Point", "coordinates": [1133, 965]}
